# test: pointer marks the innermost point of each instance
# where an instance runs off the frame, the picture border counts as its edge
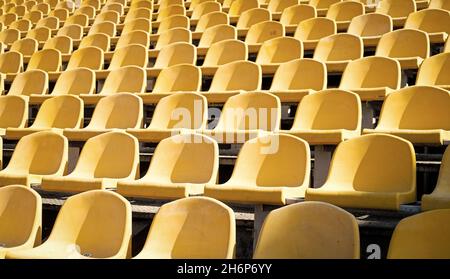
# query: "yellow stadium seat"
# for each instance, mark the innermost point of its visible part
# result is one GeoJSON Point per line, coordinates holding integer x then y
{"type": "Point", "coordinates": [233, 78]}
{"type": "Point", "coordinates": [77, 19]}
{"type": "Point", "coordinates": [440, 4]}
{"type": "Point", "coordinates": [435, 22]}
{"type": "Point", "coordinates": [75, 32]}
{"type": "Point", "coordinates": [86, 10]}
{"type": "Point", "coordinates": [62, 43]}
{"type": "Point", "coordinates": [86, 57]}
{"type": "Point", "coordinates": [166, 3]}
{"type": "Point", "coordinates": [263, 31]}
{"type": "Point", "coordinates": [48, 60]}
{"type": "Point", "coordinates": [113, 7]}
{"type": "Point", "coordinates": [293, 15]}
{"type": "Point", "coordinates": [59, 112]}
{"type": "Point", "coordinates": [174, 35]}
{"type": "Point", "coordinates": [108, 115]}
{"type": "Point", "coordinates": [322, 5]}
{"type": "Point", "coordinates": [40, 34]}
{"type": "Point", "coordinates": [422, 236]}
{"type": "Point", "coordinates": [372, 78]}
{"type": "Point", "coordinates": [309, 230]}
{"type": "Point", "coordinates": [21, 219]}
{"type": "Point", "coordinates": [273, 52]}
{"type": "Point", "coordinates": [61, 14]}
{"type": "Point", "coordinates": [251, 17]}
{"type": "Point", "coordinates": [8, 18]}
{"type": "Point", "coordinates": [177, 78]}
{"type": "Point", "coordinates": [18, 10]}
{"type": "Point", "coordinates": [195, 3]}
{"type": "Point", "coordinates": [343, 12]}
{"type": "Point", "coordinates": [93, 3]}
{"type": "Point", "coordinates": [173, 22]}
{"type": "Point", "coordinates": [130, 55]}
{"type": "Point", "coordinates": [204, 8]}
{"type": "Point", "coordinates": [138, 24]}
{"type": "Point", "coordinates": [216, 34]}
{"type": "Point", "coordinates": [370, 27]}
{"type": "Point", "coordinates": [310, 31]}
{"type": "Point", "coordinates": [68, 5]}
{"type": "Point", "coordinates": [52, 3]}
{"type": "Point", "coordinates": [104, 160]}
{"type": "Point", "coordinates": [237, 7]}
{"type": "Point", "coordinates": [134, 37]}
{"type": "Point", "coordinates": [26, 46]}
{"type": "Point", "coordinates": [364, 174]}
{"type": "Point", "coordinates": [181, 167]}
{"type": "Point", "coordinates": [33, 16]}
{"type": "Point", "coordinates": [22, 25]}
{"type": "Point", "coordinates": [36, 156]}
{"type": "Point", "coordinates": [276, 7]}
{"type": "Point", "coordinates": [103, 212]}
{"type": "Point", "coordinates": [435, 70]}
{"type": "Point", "coordinates": [418, 113]}
{"type": "Point", "coordinates": [43, 7]}
{"type": "Point", "coordinates": [13, 112]}
{"type": "Point", "coordinates": [224, 52]}
{"type": "Point", "coordinates": [99, 40]}
{"type": "Point", "coordinates": [9, 36]}
{"type": "Point", "coordinates": [109, 16]}
{"type": "Point", "coordinates": [327, 117]}
{"type": "Point", "coordinates": [336, 51]}
{"type": "Point", "coordinates": [398, 10]}
{"type": "Point", "coordinates": [297, 78]}
{"type": "Point", "coordinates": [173, 114]}
{"type": "Point", "coordinates": [408, 46]}
{"type": "Point", "coordinates": [176, 53]}
{"type": "Point", "coordinates": [204, 225]}
{"type": "Point", "coordinates": [246, 116]}
{"type": "Point", "coordinates": [170, 11]}
{"type": "Point", "coordinates": [106, 27]}
{"type": "Point", "coordinates": [440, 197]}
{"type": "Point", "coordinates": [138, 13]}
{"type": "Point", "coordinates": [50, 22]}
{"type": "Point", "coordinates": [269, 169]}
{"type": "Point", "coordinates": [11, 62]}
{"type": "Point", "coordinates": [29, 82]}
{"type": "Point", "coordinates": [211, 19]}
{"type": "Point", "coordinates": [141, 4]}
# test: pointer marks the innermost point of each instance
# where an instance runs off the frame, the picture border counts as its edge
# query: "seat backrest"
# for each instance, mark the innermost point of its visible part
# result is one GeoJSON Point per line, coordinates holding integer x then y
{"type": "Point", "coordinates": [396, 8]}
{"type": "Point", "coordinates": [138, 13]}
{"type": "Point", "coordinates": [62, 43]}
{"type": "Point", "coordinates": [300, 74]}
{"type": "Point", "coordinates": [253, 16]}
{"type": "Point", "coordinates": [51, 22]}
{"type": "Point", "coordinates": [105, 27]}
{"type": "Point", "coordinates": [130, 55]}
{"type": "Point", "coordinates": [204, 8]}
{"type": "Point", "coordinates": [64, 111]}
{"type": "Point", "coordinates": [322, 4]}
{"type": "Point", "coordinates": [345, 10]}
{"type": "Point", "coordinates": [404, 43]}
{"type": "Point", "coordinates": [87, 57]}
{"type": "Point", "coordinates": [315, 29]}
{"type": "Point", "coordinates": [439, 4]}
{"type": "Point", "coordinates": [13, 111]}
{"type": "Point", "coordinates": [170, 11]}
{"type": "Point", "coordinates": [173, 36]}
{"type": "Point", "coordinates": [48, 60]}
{"type": "Point", "coordinates": [26, 46]}
{"type": "Point", "coordinates": [182, 77]}
{"type": "Point", "coordinates": [263, 31]}
{"type": "Point", "coordinates": [339, 47]}
{"type": "Point", "coordinates": [141, 24]}
{"type": "Point", "coordinates": [308, 230]}
{"type": "Point", "coordinates": [86, 10]}
{"type": "Point", "coordinates": [99, 40]}
{"type": "Point", "coordinates": [279, 50]}
{"type": "Point", "coordinates": [429, 20]}
{"type": "Point", "coordinates": [226, 51]}
{"type": "Point", "coordinates": [211, 19]}
{"type": "Point", "coordinates": [240, 6]}
{"type": "Point", "coordinates": [238, 75]}
{"type": "Point", "coordinates": [75, 32]}
{"type": "Point", "coordinates": [107, 16]}
{"type": "Point", "coordinates": [296, 14]}
{"type": "Point", "coordinates": [217, 33]}
{"type": "Point", "coordinates": [41, 34]}
{"type": "Point", "coordinates": [77, 19]}
{"type": "Point", "coordinates": [134, 37]}
{"type": "Point", "coordinates": [9, 36]}
{"type": "Point", "coordinates": [176, 53]}
{"type": "Point", "coordinates": [61, 14]}
{"type": "Point", "coordinates": [130, 79]}
{"type": "Point", "coordinates": [11, 62]}
{"type": "Point", "coordinates": [373, 24]}
{"type": "Point", "coordinates": [173, 22]}
{"type": "Point", "coordinates": [75, 82]}
{"type": "Point", "coordinates": [29, 82]}
{"type": "Point", "coordinates": [435, 70]}
{"type": "Point", "coordinates": [278, 6]}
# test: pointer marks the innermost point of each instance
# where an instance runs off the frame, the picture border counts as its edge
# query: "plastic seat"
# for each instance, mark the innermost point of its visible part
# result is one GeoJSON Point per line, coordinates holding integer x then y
{"type": "Point", "coordinates": [336, 51]}
{"type": "Point", "coordinates": [75, 32]}
{"type": "Point", "coordinates": [204, 8]}
{"type": "Point", "coordinates": [130, 55]}
{"type": "Point", "coordinates": [113, 7]}
{"type": "Point", "coordinates": [439, 4]}
{"type": "Point", "coordinates": [29, 82]}
{"type": "Point", "coordinates": [141, 4]}
{"type": "Point", "coordinates": [343, 12]}
{"type": "Point", "coordinates": [269, 169]}
{"type": "Point", "coordinates": [11, 62]}
{"type": "Point", "coordinates": [87, 57]}
{"type": "Point", "coordinates": [309, 230]}
{"type": "Point", "coordinates": [440, 197]}
{"type": "Point", "coordinates": [19, 10]}
{"type": "Point", "coordinates": [13, 112]}
{"type": "Point", "coordinates": [108, 115]}
{"type": "Point", "coordinates": [370, 27]}
{"type": "Point", "coordinates": [364, 174]}
{"type": "Point", "coordinates": [210, 20]}
{"type": "Point", "coordinates": [36, 156]}
{"type": "Point", "coordinates": [104, 160]}
{"type": "Point", "coordinates": [204, 225]}
{"type": "Point", "coordinates": [77, 19]}
{"type": "Point", "coordinates": [26, 46]}
{"type": "Point", "coordinates": [61, 14]}
{"type": "Point", "coordinates": [195, 3]}
{"type": "Point", "coordinates": [105, 27]}
{"type": "Point", "coordinates": [174, 54]}
{"type": "Point", "coordinates": [138, 24]}
{"type": "Point", "coordinates": [192, 107]}
{"type": "Point", "coordinates": [33, 16]}
{"type": "Point", "coordinates": [103, 212]}
{"type": "Point", "coordinates": [239, 6]}
{"type": "Point", "coordinates": [59, 112]}
{"type": "Point", "coordinates": [173, 22]}
{"type": "Point", "coordinates": [418, 114]}
{"type": "Point", "coordinates": [177, 78]}
{"type": "Point", "coordinates": [293, 15]}
{"type": "Point", "coordinates": [216, 34]}
{"type": "Point", "coordinates": [166, 3]}
{"type": "Point", "coordinates": [48, 60]}
{"type": "Point", "coordinates": [62, 43]}
{"type": "Point", "coordinates": [276, 7]}
{"type": "Point", "coordinates": [170, 11]}
{"type": "Point", "coordinates": [68, 5]}
{"type": "Point", "coordinates": [8, 18]}
{"type": "Point", "coordinates": [297, 78]}
{"type": "Point", "coordinates": [246, 116]}
{"type": "Point", "coordinates": [310, 31]}
{"type": "Point", "coordinates": [408, 46]}
{"type": "Point", "coordinates": [263, 31]}
{"type": "Point", "coordinates": [422, 236]}
{"type": "Point", "coordinates": [435, 71]}
{"type": "Point", "coordinates": [96, 4]}
{"type": "Point", "coordinates": [223, 52]}
{"type": "Point", "coordinates": [21, 219]}
{"type": "Point", "coordinates": [22, 25]}
{"type": "Point", "coordinates": [435, 22]}
{"type": "Point", "coordinates": [276, 51]}
{"type": "Point", "coordinates": [232, 78]}
{"type": "Point", "coordinates": [322, 5]}
{"type": "Point", "coordinates": [9, 36]}
{"type": "Point", "coordinates": [40, 34]}
{"type": "Point", "coordinates": [397, 9]}
{"type": "Point", "coordinates": [181, 166]}
{"type": "Point", "coordinates": [52, 3]}
{"type": "Point", "coordinates": [99, 40]}
{"type": "Point", "coordinates": [138, 13]}
{"type": "Point", "coordinates": [109, 16]}
{"type": "Point", "coordinates": [50, 22]}
{"type": "Point", "coordinates": [251, 17]}
{"type": "Point", "coordinates": [372, 78]}
{"type": "Point", "coordinates": [327, 117]}
{"type": "Point", "coordinates": [174, 35]}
